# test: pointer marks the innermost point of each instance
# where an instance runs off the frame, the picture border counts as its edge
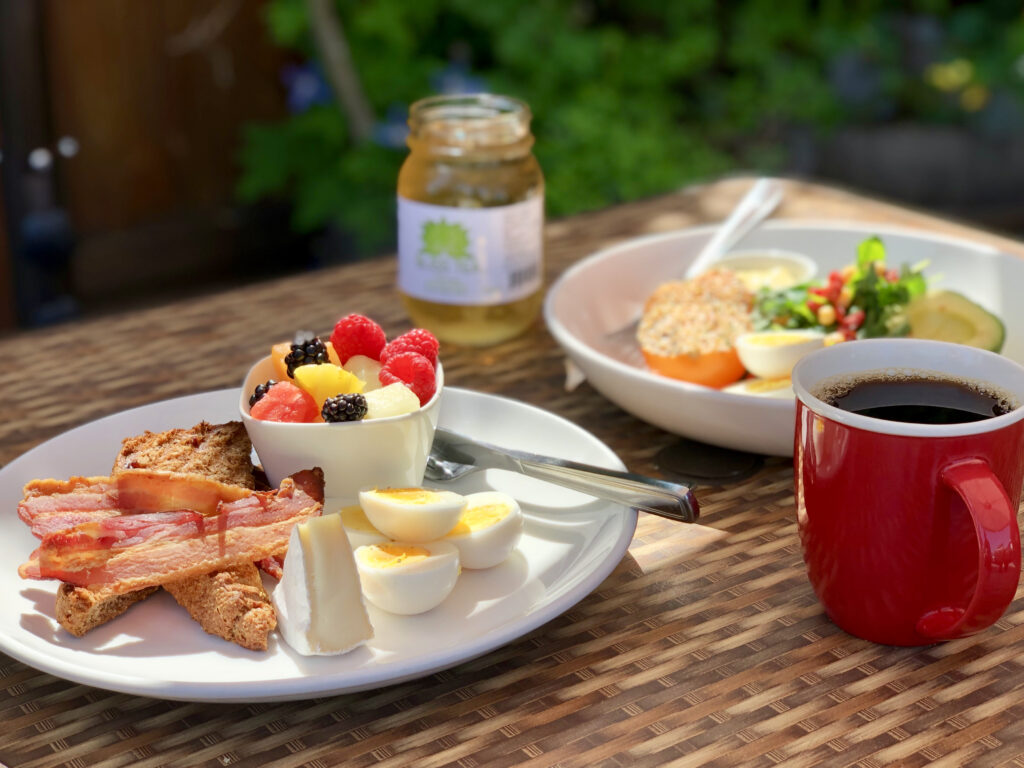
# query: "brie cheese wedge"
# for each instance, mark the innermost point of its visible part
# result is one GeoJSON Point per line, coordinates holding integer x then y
{"type": "Point", "coordinates": [320, 609]}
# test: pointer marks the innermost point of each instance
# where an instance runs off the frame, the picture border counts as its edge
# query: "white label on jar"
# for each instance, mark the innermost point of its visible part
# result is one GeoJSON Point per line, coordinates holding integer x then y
{"type": "Point", "coordinates": [470, 255]}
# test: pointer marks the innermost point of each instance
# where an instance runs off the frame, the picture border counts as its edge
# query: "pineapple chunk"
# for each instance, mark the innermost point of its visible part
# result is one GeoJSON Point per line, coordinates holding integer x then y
{"type": "Point", "coordinates": [366, 369]}
{"type": "Point", "coordinates": [323, 381]}
{"type": "Point", "coordinates": [393, 400]}
{"type": "Point", "coordinates": [279, 352]}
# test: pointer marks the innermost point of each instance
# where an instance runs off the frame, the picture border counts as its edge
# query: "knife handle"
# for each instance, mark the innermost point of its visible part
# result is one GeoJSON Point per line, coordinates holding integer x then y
{"type": "Point", "coordinates": [648, 494]}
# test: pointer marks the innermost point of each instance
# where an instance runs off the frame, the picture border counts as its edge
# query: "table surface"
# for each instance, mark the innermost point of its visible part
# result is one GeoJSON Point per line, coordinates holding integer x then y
{"type": "Point", "coordinates": [705, 646]}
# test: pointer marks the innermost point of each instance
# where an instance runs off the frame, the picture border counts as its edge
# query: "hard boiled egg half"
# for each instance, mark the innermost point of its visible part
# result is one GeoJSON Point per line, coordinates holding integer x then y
{"type": "Point", "coordinates": [412, 514]}
{"type": "Point", "coordinates": [772, 354]}
{"type": "Point", "coordinates": [358, 528]}
{"type": "Point", "coordinates": [488, 529]}
{"type": "Point", "coordinates": [407, 578]}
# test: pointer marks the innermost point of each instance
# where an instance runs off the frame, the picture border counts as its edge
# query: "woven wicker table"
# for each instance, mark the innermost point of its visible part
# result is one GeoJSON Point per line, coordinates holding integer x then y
{"type": "Point", "coordinates": [706, 646]}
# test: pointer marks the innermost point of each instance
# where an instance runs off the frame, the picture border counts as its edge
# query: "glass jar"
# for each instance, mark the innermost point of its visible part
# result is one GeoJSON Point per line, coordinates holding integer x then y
{"type": "Point", "coordinates": [470, 219]}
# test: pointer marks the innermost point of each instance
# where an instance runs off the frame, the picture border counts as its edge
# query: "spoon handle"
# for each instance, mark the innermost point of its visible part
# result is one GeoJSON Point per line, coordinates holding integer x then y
{"type": "Point", "coordinates": [658, 497]}
{"type": "Point", "coordinates": [760, 200]}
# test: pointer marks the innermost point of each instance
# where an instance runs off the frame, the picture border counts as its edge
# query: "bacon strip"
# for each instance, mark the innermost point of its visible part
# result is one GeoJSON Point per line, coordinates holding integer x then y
{"type": "Point", "coordinates": [150, 490]}
{"type": "Point", "coordinates": [134, 551]}
{"type": "Point", "coordinates": [273, 566]}
{"type": "Point", "coordinates": [53, 505]}
{"type": "Point", "coordinates": [56, 505]}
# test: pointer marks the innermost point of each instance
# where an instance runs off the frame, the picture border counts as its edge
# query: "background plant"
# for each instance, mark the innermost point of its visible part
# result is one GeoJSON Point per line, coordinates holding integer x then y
{"type": "Point", "coordinates": [630, 99]}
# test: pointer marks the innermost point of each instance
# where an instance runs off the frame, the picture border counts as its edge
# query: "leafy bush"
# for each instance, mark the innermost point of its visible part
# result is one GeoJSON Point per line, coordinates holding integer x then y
{"type": "Point", "coordinates": [630, 99]}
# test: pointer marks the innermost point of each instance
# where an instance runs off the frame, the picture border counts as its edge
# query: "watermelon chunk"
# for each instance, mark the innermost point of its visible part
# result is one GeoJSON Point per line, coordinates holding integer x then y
{"type": "Point", "coordinates": [285, 402]}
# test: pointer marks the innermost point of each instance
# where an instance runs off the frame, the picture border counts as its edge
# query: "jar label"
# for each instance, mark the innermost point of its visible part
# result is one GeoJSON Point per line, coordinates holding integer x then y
{"type": "Point", "coordinates": [481, 256]}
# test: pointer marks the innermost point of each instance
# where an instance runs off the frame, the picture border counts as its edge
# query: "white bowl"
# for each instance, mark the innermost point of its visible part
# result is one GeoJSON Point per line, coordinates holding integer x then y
{"type": "Point", "coordinates": [607, 290]}
{"type": "Point", "coordinates": [390, 452]}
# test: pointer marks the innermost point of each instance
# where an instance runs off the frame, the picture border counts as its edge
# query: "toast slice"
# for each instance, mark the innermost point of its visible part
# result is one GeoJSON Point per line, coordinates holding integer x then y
{"type": "Point", "coordinates": [231, 604]}
{"type": "Point", "coordinates": [220, 452]}
{"type": "Point", "coordinates": [80, 609]}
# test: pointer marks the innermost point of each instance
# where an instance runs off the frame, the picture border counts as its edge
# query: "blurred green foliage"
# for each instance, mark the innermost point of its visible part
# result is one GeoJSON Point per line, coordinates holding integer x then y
{"type": "Point", "coordinates": [631, 99]}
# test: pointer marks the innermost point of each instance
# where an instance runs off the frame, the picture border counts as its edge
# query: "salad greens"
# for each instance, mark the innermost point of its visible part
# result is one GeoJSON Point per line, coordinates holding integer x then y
{"type": "Point", "coordinates": [863, 300]}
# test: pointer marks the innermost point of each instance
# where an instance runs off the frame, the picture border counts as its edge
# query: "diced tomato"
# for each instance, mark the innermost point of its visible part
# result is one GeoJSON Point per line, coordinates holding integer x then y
{"type": "Point", "coordinates": [854, 320]}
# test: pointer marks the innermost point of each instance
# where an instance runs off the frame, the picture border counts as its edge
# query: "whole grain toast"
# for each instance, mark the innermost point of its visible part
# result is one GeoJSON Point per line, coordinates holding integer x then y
{"type": "Point", "coordinates": [80, 609]}
{"type": "Point", "coordinates": [220, 452]}
{"type": "Point", "coordinates": [231, 604]}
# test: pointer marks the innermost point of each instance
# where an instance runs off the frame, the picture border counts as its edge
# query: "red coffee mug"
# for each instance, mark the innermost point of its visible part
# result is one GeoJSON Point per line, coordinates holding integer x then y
{"type": "Point", "coordinates": [909, 531]}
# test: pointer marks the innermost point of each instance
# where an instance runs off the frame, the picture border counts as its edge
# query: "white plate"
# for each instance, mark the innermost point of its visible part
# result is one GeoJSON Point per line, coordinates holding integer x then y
{"type": "Point", "coordinates": [570, 544]}
{"type": "Point", "coordinates": [607, 289]}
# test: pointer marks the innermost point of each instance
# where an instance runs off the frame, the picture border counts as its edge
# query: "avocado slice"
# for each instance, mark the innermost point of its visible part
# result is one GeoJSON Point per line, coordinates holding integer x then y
{"type": "Point", "coordinates": [950, 316]}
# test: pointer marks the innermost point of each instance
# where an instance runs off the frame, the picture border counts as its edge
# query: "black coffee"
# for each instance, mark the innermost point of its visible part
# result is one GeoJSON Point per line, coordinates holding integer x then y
{"type": "Point", "coordinates": [918, 400]}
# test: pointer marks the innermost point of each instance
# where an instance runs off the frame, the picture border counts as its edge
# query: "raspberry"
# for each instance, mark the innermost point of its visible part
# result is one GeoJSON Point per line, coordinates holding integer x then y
{"type": "Point", "coordinates": [413, 370]}
{"type": "Point", "coordinates": [357, 335]}
{"type": "Point", "coordinates": [417, 340]}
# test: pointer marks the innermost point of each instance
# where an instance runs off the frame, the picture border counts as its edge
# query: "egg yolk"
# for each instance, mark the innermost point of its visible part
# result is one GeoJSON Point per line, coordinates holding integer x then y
{"type": "Point", "coordinates": [476, 518]}
{"type": "Point", "coordinates": [353, 517]}
{"type": "Point", "coordinates": [393, 555]}
{"type": "Point", "coordinates": [409, 495]}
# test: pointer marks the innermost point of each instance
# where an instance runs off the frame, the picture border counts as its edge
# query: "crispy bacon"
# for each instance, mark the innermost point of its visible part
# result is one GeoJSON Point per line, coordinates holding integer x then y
{"type": "Point", "coordinates": [273, 566]}
{"type": "Point", "coordinates": [56, 505]}
{"type": "Point", "coordinates": [53, 505]}
{"type": "Point", "coordinates": [149, 490]}
{"type": "Point", "coordinates": [133, 551]}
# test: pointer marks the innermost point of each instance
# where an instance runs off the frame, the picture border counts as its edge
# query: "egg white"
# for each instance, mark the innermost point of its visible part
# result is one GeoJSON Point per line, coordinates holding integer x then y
{"type": "Point", "coordinates": [408, 588]}
{"type": "Point", "coordinates": [486, 547]}
{"type": "Point", "coordinates": [766, 358]}
{"type": "Point", "coordinates": [781, 389]}
{"type": "Point", "coordinates": [412, 514]}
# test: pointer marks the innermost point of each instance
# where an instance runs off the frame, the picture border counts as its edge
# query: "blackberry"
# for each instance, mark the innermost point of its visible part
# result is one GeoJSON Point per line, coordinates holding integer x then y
{"type": "Point", "coordinates": [305, 351]}
{"type": "Point", "coordinates": [260, 391]}
{"type": "Point", "coordinates": [344, 408]}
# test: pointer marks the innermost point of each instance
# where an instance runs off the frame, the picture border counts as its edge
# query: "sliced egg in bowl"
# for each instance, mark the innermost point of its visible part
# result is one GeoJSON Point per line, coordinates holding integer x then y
{"type": "Point", "coordinates": [405, 578]}
{"type": "Point", "coordinates": [777, 388]}
{"type": "Point", "coordinates": [772, 354]}
{"type": "Point", "coordinates": [412, 514]}
{"type": "Point", "coordinates": [488, 529]}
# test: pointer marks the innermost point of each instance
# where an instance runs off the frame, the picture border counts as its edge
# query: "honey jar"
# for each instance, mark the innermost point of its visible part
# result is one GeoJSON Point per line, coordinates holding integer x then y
{"type": "Point", "coordinates": [470, 219]}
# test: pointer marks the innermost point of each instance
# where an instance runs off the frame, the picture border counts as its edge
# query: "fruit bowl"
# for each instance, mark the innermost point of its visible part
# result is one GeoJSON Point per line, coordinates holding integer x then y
{"type": "Point", "coordinates": [384, 452]}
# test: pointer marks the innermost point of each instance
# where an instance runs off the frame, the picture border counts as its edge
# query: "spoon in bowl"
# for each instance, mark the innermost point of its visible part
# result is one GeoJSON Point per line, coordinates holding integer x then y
{"type": "Point", "coordinates": [756, 205]}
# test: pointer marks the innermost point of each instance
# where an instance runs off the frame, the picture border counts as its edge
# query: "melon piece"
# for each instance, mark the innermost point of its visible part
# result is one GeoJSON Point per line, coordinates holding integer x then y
{"type": "Point", "coordinates": [278, 353]}
{"type": "Point", "coordinates": [393, 400]}
{"type": "Point", "coordinates": [366, 369]}
{"type": "Point", "coordinates": [285, 402]}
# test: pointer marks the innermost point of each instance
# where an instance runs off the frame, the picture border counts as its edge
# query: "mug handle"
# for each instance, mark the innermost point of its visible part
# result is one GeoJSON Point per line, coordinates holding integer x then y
{"type": "Point", "coordinates": [995, 525]}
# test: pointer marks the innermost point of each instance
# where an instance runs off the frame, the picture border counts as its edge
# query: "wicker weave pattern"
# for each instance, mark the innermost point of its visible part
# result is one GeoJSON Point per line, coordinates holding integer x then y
{"type": "Point", "coordinates": [705, 647]}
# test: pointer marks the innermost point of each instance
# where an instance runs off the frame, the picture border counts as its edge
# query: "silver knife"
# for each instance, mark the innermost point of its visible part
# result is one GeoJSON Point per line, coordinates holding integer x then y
{"type": "Point", "coordinates": [658, 497]}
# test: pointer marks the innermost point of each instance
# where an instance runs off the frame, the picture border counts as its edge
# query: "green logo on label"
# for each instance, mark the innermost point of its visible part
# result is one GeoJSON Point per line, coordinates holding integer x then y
{"type": "Point", "coordinates": [441, 239]}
